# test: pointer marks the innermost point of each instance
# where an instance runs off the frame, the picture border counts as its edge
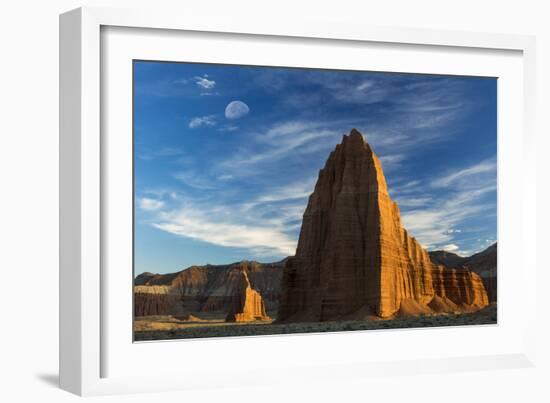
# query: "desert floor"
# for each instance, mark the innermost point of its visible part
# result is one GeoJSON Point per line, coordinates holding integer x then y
{"type": "Point", "coordinates": [169, 327]}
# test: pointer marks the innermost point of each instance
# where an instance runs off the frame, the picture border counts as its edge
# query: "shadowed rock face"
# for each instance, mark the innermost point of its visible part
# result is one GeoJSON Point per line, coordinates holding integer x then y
{"type": "Point", "coordinates": [155, 300]}
{"type": "Point", "coordinates": [353, 254]}
{"type": "Point", "coordinates": [248, 305]}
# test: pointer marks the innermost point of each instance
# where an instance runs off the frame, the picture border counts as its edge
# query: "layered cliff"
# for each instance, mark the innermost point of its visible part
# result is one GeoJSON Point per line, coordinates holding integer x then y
{"type": "Point", "coordinates": [353, 254]}
{"type": "Point", "coordinates": [210, 288]}
{"type": "Point", "coordinates": [483, 264]}
{"type": "Point", "coordinates": [459, 285]}
{"type": "Point", "coordinates": [156, 300]}
{"type": "Point", "coordinates": [248, 304]}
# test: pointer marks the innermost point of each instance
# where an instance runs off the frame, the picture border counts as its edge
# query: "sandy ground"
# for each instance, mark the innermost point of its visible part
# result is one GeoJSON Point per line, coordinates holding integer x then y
{"type": "Point", "coordinates": [169, 327]}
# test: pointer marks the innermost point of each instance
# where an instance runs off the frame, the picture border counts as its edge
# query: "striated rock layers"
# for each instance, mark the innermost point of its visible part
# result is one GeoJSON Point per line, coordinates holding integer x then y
{"type": "Point", "coordinates": [483, 263]}
{"type": "Point", "coordinates": [459, 285]}
{"type": "Point", "coordinates": [355, 257]}
{"type": "Point", "coordinates": [248, 304]}
{"type": "Point", "coordinates": [200, 289]}
{"type": "Point", "coordinates": [155, 300]}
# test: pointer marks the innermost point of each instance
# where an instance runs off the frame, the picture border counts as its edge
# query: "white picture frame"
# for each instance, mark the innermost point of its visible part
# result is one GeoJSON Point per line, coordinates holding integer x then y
{"type": "Point", "coordinates": [84, 306]}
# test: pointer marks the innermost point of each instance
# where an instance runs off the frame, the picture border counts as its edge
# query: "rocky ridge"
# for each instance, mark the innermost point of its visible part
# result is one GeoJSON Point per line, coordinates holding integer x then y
{"type": "Point", "coordinates": [209, 288]}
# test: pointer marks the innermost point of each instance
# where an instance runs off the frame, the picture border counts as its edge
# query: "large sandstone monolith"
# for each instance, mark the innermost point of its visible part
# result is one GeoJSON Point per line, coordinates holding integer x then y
{"type": "Point", "coordinates": [248, 305]}
{"type": "Point", "coordinates": [353, 254]}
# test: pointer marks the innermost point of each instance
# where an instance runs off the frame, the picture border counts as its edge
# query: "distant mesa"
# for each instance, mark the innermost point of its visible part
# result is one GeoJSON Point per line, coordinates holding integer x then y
{"type": "Point", "coordinates": [143, 278]}
{"type": "Point", "coordinates": [248, 305]}
{"type": "Point", "coordinates": [354, 256]}
{"type": "Point", "coordinates": [208, 289]}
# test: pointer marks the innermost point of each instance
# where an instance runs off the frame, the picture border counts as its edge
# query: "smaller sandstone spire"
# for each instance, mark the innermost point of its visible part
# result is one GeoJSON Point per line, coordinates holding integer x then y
{"type": "Point", "coordinates": [248, 306]}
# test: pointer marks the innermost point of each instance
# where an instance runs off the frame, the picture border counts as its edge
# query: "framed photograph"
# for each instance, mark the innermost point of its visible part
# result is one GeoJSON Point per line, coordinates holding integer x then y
{"type": "Point", "coordinates": [238, 186]}
{"type": "Point", "coordinates": [281, 225]}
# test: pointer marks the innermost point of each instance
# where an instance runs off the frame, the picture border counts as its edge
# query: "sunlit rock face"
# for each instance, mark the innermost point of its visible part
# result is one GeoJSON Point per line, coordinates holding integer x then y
{"type": "Point", "coordinates": [461, 286]}
{"type": "Point", "coordinates": [248, 305]}
{"type": "Point", "coordinates": [483, 263]}
{"type": "Point", "coordinates": [353, 254]}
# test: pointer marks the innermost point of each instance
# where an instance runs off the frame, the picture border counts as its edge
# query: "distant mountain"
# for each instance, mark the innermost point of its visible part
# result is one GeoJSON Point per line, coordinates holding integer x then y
{"type": "Point", "coordinates": [209, 288]}
{"type": "Point", "coordinates": [445, 258]}
{"type": "Point", "coordinates": [483, 263]}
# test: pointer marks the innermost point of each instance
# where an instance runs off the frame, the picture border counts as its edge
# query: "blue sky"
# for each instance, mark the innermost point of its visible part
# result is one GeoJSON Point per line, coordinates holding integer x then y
{"type": "Point", "coordinates": [226, 156]}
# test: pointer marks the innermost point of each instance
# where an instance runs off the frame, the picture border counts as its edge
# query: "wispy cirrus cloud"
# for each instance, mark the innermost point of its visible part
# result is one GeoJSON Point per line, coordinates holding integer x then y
{"type": "Point", "coordinates": [391, 161]}
{"type": "Point", "coordinates": [466, 174]}
{"type": "Point", "coordinates": [431, 223]}
{"type": "Point", "coordinates": [448, 201]}
{"type": "Point", "coordinates": [198, 224]}
{"type": "Point", "coordinates": [266, 225]}
{"type": "Point", "coordinates": [279, 142]}
{"type": "Point", "coordinates": [290, 192]}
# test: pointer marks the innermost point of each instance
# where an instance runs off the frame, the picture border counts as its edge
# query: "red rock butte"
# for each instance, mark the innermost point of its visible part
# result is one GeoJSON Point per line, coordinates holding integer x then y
{"type": "Point", "coordinates": [354, 258]}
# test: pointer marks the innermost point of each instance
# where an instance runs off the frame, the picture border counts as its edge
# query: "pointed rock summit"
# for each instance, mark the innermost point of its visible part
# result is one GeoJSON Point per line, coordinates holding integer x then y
{"type": "Point", "coordinates": [354, 258]}
{"type": "Point", "coordinates": [248, 306]}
